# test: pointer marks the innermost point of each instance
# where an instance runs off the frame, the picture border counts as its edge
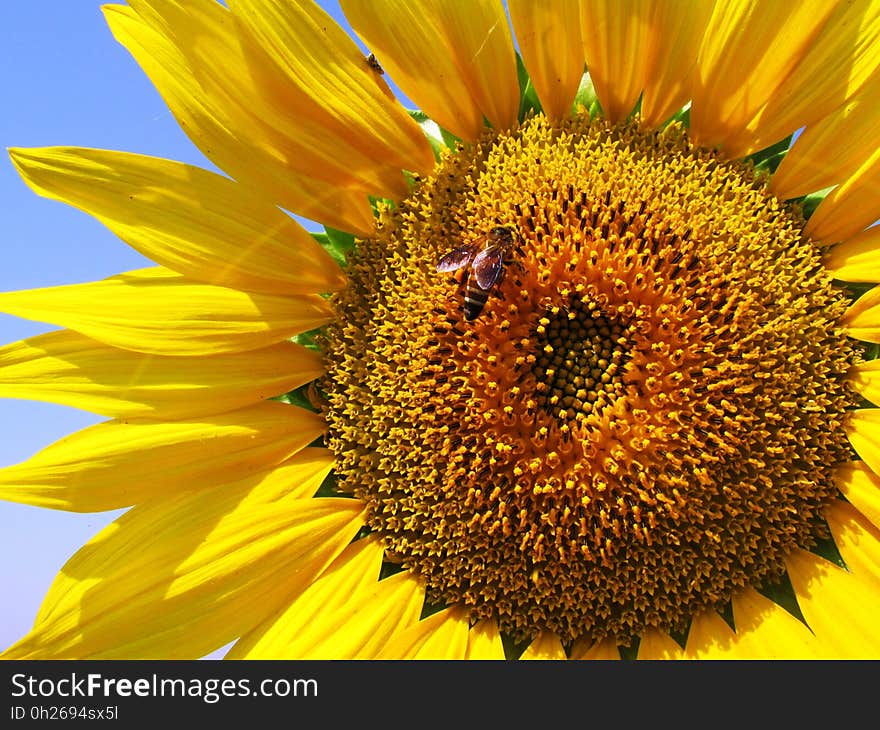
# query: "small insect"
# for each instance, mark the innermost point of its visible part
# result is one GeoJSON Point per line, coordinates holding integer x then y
{"type": "Point", "coordinates": [484, 258]}
{"type": "Point", "coordinates": [373, 63]}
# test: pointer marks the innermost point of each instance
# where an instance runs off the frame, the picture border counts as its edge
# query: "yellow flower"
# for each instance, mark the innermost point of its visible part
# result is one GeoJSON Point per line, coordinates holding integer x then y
{"type": "Point", "coordinates": [582, 366]}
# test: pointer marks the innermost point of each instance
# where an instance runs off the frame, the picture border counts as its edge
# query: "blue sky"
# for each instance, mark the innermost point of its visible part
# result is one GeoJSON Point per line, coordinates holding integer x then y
{"type": "Point", "coordinates": [65, 81]}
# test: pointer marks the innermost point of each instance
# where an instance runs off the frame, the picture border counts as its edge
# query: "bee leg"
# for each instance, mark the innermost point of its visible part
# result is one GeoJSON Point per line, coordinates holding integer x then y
{"type": "Point", "coordinates": [500, 279]}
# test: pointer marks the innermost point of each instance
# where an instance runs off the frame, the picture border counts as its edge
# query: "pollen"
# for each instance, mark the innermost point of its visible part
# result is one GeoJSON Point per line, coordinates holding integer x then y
{"type": "Point", "coordinates": [644, 416]}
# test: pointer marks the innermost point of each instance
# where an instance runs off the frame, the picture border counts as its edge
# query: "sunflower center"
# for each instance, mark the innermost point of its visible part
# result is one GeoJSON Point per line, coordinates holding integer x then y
{"type": "Point", "coordinates": [580, 353]}
{"type": "Point", "coordinates": [589, 380]}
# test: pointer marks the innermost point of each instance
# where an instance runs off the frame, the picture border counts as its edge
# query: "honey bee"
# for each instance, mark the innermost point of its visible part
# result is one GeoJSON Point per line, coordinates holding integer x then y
{"type": "Point", "coordinates": [373, 63]}
{"type": "Point", "coordinates": [484, 258]}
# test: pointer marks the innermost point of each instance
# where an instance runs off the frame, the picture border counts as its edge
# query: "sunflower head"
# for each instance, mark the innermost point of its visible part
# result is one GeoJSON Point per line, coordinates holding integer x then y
{"type": "Point", "coordinates": [643, 417]}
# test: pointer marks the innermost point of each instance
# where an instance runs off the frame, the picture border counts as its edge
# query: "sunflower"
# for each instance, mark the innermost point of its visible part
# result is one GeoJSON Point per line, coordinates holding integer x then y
{"type": "Point", "coordinates": [582, 365]}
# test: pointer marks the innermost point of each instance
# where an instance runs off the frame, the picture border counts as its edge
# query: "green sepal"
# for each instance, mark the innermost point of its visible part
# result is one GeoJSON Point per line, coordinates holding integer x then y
{"type": "Point", "coordinates": [298, 398]}
{"type": "Point", "coordinates": [328, 487]}
{"type": "Point", "coordinates": [870, 350]}
{"type": "Point", "coordinates": [810, 202]}
{"type": "Point", "coordinates": [630, 652]}
{"type": "Point", "coordinates": [682, 117]}
{"type": "Point", "coordinates": [680, 636]}
{"type": "Point", "coordinates": [375, 202]}
{"type": "Point", "coordinates": [452, 142]}
{"type": "Point", "coordinates": [411, 180]}
{"type": "Point", "coordinates": [439, 138]}
{"type": "Point", "coordinates": [429, 609]}
{"type": "Point", "coordinates": [306, 395]}
{"type": "Point", "coordinates": [769, 158]}
{"type": "Point", "coordinates": [726, 613]}
{"type": "Point", "coordinates": [854, 289]}
{"type": "Point", "coordinates": [781, 592]}
{"type": "Point", "coordinates": [529, 104]}
{"type": "Point", "coordinates": [388, 569]}
{"type": "Point", "coordinates": [432, 131]}
{"type": "Point", "coordinates": [586, 97]}
{"type": "Point", "coordinates": [636, 110]}
{"type": "Point", "coordinates": [309, 339]}
{"type": "Point", "coordinates": [513, 649]}
{"type": "Point", "coordinates": [827, 548]}
{"type": "Point", "coordinates": [336, 243]}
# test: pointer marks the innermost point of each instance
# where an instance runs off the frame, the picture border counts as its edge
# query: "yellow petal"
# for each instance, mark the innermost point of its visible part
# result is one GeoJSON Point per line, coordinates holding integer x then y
{"type": "Point", "coordinates": [648, 49]}
{"type": "Point", "coordinates": [858, 540]}
{"type": "Point", "coordinates": [764, 630]}
{"type": "Point", "coordinates": [863, 430]}
{"type": "Point", "coordinates": [237, 76]}
{"type": "Point", "coordinates": [865, 378]}
{"type": "Point", "coordinates": [862, 319]}
{"type": "Point", "coordinates": [851, 207]}
{"type": "Point", "coordinates": [708, 636]}
{"type": "Point", "coordinates": [68, 368]}
{"type": "Point", "coordinates": [116, 463]}
{"type": "Point", "coordinates": [484, 641]}
{"type": "Point", "coordinates": [844, 55]}
{"type": "Point", "coordinates": [616, 35]}
{"type": "Point", "coordinates": [857, 259]}
{"type": "Point", "coordinates": [332, 83]}
{"type": "Point", "coordinates": [831, 150]}
{"type": "Point", "coordinates": [600, 651]}
{"type": "Point", "coordinates": [550, 43]}
{"type": "Point", "coordinates": [861, 487]}
{"type": "Point", "coordinates": [455, 61]}
{"type": "Point", "coordinates": [748, 50]}
{"type": "Point", "coordinates": [840, 607]}
{"type": "Point", "coordinates": [303, 473]}
{"type": "Point", "coordinates": [185, 575]}
{"type": "Point", "coordinates": [157, 311]}
{"type": "Point", "coordinates": [545, 646]}
{"type": "Point", "coordinates": [671, 62]}
{"type": "Point", "coordinates": [656, 644]}
{"type": "Point", "coordinates": [443, 635]}
{"type": "Point", "coordinates": [209, 126]}
{"type": "Point", "coordinates": [347, 613]}
{"type": "Point", "coordinates": [197, 223]}
{"type": "Point", "coordinates": [635, 48]}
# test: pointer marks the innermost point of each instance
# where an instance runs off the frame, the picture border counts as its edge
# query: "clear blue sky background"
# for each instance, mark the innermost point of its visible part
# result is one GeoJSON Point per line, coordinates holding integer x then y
{"type": "Point", "coordinates": [64, 81]}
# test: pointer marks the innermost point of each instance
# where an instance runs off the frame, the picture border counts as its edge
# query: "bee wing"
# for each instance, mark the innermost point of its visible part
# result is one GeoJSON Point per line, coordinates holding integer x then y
{"type": "Point", "coordinates": [487, 266]}
{"type": "Point", "coordinates": [457, 258]}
